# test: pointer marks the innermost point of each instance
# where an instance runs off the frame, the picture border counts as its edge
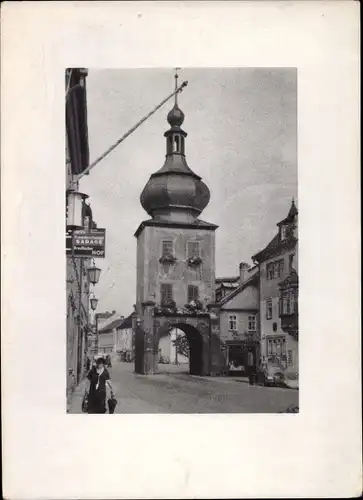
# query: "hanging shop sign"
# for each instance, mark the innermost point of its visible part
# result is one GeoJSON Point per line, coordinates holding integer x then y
{"type": "Point", "coordinates": [86, 244]}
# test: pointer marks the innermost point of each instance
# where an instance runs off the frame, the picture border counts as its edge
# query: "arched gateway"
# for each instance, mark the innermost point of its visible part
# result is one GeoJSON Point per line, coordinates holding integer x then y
{"type": "Point", "coordinates": [176, 262]}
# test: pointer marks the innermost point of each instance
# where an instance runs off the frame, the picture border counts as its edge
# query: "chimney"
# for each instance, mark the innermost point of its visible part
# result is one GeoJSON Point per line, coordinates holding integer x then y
{"type": "Point", "coordinates": [243, 268]}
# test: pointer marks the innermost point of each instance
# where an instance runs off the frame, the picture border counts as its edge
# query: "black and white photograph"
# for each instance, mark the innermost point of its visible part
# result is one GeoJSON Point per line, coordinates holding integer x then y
{"type": "Point", "coordinates": [182, 240]}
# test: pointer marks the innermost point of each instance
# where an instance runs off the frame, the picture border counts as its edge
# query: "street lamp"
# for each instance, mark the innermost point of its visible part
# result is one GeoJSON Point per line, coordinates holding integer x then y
{"type": "Point", "coordinates": [94, 274]}
{"type": "Point", "coordinates": [94, 303]}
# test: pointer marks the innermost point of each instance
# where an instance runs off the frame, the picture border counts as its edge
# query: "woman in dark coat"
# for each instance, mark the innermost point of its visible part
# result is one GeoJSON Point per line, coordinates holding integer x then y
{"type": "Point", "coordinates": [98, 380]}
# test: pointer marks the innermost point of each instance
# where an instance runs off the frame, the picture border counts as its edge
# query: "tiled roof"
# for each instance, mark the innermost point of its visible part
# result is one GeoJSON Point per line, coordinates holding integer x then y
{"type": "Point", "coordinates": [229, 285]}
{"type": "Point", "coordinates": [276, 244]}
{"type": "Point", "coordinates": [232, 279]}
{"type": "Point", "coordinates": [111, 326]}
{"type": "Point", "coordinates": [126, 323]}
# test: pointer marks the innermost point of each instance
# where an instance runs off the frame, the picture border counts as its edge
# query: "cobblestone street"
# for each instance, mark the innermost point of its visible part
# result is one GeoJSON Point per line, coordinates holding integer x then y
{"type": "Point", "coordinates": [175, 391]}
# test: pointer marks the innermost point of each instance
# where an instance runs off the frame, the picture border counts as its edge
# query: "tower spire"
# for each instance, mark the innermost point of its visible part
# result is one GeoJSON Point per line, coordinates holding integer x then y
{"type": "Point", "coordinates": [175, 192]}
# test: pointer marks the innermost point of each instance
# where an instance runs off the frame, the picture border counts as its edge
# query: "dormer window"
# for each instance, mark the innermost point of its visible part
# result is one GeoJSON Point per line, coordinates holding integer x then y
{"type": "Point", "coordinates": [283, 233]}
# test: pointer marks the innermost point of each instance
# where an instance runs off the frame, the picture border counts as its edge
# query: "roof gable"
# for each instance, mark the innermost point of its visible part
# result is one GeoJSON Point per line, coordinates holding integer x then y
{"type": "Point", "coordinates": [252, 281]}
{"type": "Point", "coordinates": [126, 323]}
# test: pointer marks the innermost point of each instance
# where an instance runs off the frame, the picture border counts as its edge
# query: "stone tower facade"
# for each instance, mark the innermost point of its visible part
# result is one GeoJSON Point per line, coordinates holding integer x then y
{"type": "Point", "coordinates": [175, 250]}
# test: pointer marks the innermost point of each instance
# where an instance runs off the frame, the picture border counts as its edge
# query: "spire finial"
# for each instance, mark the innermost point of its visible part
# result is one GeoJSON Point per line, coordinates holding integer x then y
{"type": "Point", "coordinates": [176, 76]}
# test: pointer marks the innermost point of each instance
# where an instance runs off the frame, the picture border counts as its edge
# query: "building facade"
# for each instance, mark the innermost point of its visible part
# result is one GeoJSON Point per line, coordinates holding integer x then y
{"type": "Point", "coordinates": [107, 334]}
{"type": "Point", "coordinates": [125, 344]}
{"type": "Point", "coordinates": [239, 317]}
{"type": "Point", "coordinates": [77, 287]}
{"type": "Point", "coordinates": [278, 274]}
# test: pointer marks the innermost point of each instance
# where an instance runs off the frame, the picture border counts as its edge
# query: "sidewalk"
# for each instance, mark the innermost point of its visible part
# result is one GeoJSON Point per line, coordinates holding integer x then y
{"type": "Point", "coordinates": [127, 400]}
{"type": "Point", "coordinates": [77, 397]}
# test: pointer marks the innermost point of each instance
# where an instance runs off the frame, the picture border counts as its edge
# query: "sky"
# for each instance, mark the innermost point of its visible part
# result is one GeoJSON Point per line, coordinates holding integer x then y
{"type": "Point", "coordinates": [242, 140]}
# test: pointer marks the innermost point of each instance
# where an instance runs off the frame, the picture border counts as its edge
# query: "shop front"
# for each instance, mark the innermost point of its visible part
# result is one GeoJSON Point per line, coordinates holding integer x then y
{"type": "Point", "coordinates": [242, 355]}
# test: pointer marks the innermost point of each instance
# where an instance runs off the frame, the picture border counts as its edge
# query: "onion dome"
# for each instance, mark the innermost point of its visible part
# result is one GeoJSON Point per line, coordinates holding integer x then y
{"type": "Point", "coordinates": [175, 116]}
{"type": "Point", "coordinates": [175, 192]}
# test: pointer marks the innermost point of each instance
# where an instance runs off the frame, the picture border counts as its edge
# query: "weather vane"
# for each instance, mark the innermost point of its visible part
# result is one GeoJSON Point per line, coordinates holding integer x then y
{"type": "Point", "coordinates": [176, 76]}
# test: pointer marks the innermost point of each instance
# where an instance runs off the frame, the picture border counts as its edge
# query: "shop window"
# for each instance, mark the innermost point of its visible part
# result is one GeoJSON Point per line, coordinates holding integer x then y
{"type": "Point", "coordinates": [276, 347]}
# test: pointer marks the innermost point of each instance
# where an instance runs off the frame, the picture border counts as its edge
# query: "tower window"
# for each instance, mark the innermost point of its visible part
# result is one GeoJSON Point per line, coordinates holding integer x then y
{"type": "Point", "coordinates": [193, 249]}
{"type": "Point", "coordinates": [170, 145]}
{"type": "Point", "coordinates": [193, 293]}
{"type": "Point", "coordinates": [166, 292]}
{"type": "Point", "coordinates": [167, 248]}
{"type": "Point", "coordinates": [176, 144]}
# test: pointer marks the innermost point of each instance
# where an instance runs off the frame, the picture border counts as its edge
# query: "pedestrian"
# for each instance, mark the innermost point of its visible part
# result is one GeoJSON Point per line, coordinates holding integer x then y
{"type": "Point", "coordinates": [98, 381]}
{"type": "Point", "coordinates": [88, 364]}
{"type": "Point", "coordinates": [251, 368]}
